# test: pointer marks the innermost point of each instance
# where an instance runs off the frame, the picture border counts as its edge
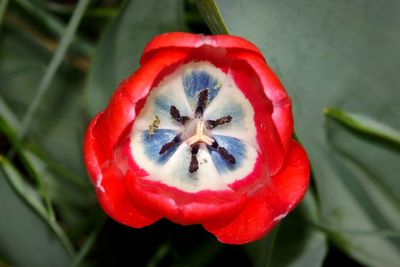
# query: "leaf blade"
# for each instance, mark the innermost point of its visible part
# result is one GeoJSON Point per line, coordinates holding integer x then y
{"type": "Point", "coordinates": [364, 124]}
{"type": "Point", "coordinates": [18, 223]}
{"type": "Point", "coordinates": [323, 52]}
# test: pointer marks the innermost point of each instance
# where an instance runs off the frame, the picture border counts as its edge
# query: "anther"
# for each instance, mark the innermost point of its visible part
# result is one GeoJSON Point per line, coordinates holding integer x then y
{"type": "Point", "coordinates": [177, 140]}
{"type": "Point", "coordinates": [214, 123]}
{"type": "Point", "coordinates": [224, 153]}
{"type": "Point", "coordinates": [201, 103]}
{"type": "Point", "coordinates": [194, 164]}
{"type": "Point", "coordinates": [176, 115]}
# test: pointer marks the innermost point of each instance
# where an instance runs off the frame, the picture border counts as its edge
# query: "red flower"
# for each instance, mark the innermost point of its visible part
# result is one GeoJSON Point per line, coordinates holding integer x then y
{"type": "Point", "coordinates": [201, 133]}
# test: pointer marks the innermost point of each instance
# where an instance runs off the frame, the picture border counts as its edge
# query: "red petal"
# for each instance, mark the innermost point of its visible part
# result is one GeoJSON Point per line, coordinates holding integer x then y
{"type": "Point", "coordinates": [182, 207]}
{"type": "Point", "coordinates": [273, 88]}
{"type": "Point", "coordinates": [93, 150]}
{"type": "Point", "coordinates": [266, 207]}
{"type": "Point", "coordinates": [117, 203]}
{"type": "Point", "coordinates": [122, 109]}
{"type": "Point", "coordinates": [184, 40]}
{"type": "Point", "coordinates": [253, 222]}
{"type": "Point", "coordinates": [110, 188]}
{"type": "Point", "coordinates": [258, 176]}
{"type": "Point", "coordinates": [267, 136]}
{"type": "Point", "coordinates": [174, 204]}
{"type": "Point", "coordinates": [291, 183]}
{"type": "Point", "coordinates": [104, 133]}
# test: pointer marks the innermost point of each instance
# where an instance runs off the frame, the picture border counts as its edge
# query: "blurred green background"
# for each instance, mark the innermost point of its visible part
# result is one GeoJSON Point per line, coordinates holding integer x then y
{"type": "Point", "coordinates": [339, 60]}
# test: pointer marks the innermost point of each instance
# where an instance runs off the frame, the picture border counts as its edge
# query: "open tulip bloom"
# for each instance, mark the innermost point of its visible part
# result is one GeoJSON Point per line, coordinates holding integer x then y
{"type": "Point", "coordinates": [201, 133]}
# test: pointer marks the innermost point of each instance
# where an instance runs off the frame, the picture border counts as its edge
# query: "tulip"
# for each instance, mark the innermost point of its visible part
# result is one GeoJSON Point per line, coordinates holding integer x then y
{"type": "Point", "coordinates": [201, 133]}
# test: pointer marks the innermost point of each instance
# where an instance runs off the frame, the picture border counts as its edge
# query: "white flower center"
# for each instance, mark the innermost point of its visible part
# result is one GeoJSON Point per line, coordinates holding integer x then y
{"type": "Point", "coordinates": [196, 131]}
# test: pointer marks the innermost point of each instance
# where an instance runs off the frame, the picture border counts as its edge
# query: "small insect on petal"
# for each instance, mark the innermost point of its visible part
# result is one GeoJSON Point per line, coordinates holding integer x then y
{"type": "Point", "coordinates": [154, 125]}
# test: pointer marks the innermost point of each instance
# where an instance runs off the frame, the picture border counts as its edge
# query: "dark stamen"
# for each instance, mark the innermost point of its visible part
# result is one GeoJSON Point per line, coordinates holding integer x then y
{"type": "Point", "coordinates": [194, 164]}
{"type": "Point", "coordinates": [176, 115]}
{"type": "Point", "coordinates": [177, 140]}
{"type": "Point", "coordinates": [214, 123]}
{"type": "Point", "coordinates": [224, 153]}
{"type": "Point", "coordinates": [201, 103]}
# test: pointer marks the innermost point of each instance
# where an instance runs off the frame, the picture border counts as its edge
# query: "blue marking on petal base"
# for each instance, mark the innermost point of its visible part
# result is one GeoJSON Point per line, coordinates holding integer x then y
{"type": "Point", "coordinates": [161, 104]}
{"type": "Point", "coordinates": [197, 81]}
{"type": "Point", "coordinates": [152, 145]}
{"type": "Point", "coordinates": [234, 147]}
{"type": "Point", "coordinates": [229, 108]}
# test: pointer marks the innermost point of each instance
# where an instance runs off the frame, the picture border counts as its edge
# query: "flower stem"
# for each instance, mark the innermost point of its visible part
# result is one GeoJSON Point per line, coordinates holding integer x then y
{"type": "Point", "coordinates": [213, 17]}
{"type": "Point", "coordinates": [88, 243]}
{"type": "Point", "coordinates": [54, 25]}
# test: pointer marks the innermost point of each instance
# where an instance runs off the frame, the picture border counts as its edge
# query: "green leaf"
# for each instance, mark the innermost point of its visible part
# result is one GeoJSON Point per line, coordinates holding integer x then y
{"type": "Point", "coordinates": [342, 54]}
{"type": "Point", "coordinates": [262, 251]}
{"type": "Point", "coordinates": [364, 124]}
{"type": "Point", "coordinates": [52, 152]}
{"type": "Point", "coordinates": [68, 194]}
{"type": "Point", "coordinates": [21, 229]}
{"type": "Point", "coordinates": [9, 126]}
{"type": "Point", "coordinates": [87, 246]}
{"type": "Point", "coordinates": [54, 64]}
{"type": "Point", "coordinates": [297, 242]}
{"type": "Point", "coordinates": [58, 125]}
{"type": "Point", "coordinates": [53, 24]}
{"type": "Point", "coordinates": [372, 185]}
{"type": "Point", "coordinates": [122, 44]}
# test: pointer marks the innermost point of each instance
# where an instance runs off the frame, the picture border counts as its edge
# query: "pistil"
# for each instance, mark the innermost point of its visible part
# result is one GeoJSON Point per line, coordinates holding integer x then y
{"type": "Point", "coordinates": [200, 136]}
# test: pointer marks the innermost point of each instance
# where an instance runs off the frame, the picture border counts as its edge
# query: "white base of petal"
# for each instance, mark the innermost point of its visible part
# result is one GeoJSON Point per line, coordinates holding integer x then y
{"type": "Point", "coordinates": [180, 89]}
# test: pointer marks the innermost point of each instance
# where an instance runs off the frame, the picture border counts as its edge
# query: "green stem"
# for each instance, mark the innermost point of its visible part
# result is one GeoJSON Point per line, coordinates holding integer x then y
{"type": "Point", "coordinates": [30, 197]}
{"type": "Point", "coordinates": [273, 237]}
{"type": "Point", "coordinates": [10, 125]}
{"type": "Point", "coordinates": [55, 63]}
{"type": "Point", "coordinates": [88, 244]}
{"type": "Point", "coordinates": [54, 25]}
{"type": "Point", "coordinates": [3, 8]}
{"type": "Point", "coordinates": [103, 12]}
{"type": "Point", "coordinates": [160, 254]}
{"type": "Point", "coordinates": [212, 16]}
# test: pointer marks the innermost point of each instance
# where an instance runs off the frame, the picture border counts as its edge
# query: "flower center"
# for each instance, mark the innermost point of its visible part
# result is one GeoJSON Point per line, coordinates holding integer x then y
{"type": "Point", "coordinates": [197, 131]}
{"type": "Point", "coordinates": [198, 135]}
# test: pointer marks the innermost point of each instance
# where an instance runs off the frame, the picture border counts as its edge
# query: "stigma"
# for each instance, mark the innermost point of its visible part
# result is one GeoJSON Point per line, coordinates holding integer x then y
{"type": "Point", "coordinates": [199, 136]}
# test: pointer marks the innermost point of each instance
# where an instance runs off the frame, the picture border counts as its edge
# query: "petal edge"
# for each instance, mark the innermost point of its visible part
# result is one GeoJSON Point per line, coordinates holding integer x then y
{"type": "Point", "coordinates": [269, 205]}
{"type": "Point", "coordinates": [184, 40]}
